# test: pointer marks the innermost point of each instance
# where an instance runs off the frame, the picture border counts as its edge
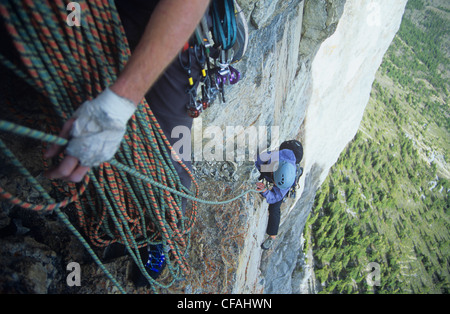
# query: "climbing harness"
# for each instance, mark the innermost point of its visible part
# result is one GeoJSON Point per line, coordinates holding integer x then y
{"type": "Point", "coordinates": [134, 199]}
{"type": "Point", "coordinates": [213, 47]}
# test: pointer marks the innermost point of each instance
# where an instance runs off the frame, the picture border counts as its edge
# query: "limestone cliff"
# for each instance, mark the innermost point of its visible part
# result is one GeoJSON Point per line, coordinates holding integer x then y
{"type": "Point", "coordinates": [309, 70]}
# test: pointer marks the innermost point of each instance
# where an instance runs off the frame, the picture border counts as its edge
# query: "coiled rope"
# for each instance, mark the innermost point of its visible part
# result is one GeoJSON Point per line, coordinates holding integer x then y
{"type": "Point", "coordinates": [134, 199]}
{"type": "Point", "coordinates": [224, 23]}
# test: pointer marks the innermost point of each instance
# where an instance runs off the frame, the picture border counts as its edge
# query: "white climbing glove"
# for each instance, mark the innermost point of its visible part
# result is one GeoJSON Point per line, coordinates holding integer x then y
{"type": "Point", "coordinates": [99, 128]}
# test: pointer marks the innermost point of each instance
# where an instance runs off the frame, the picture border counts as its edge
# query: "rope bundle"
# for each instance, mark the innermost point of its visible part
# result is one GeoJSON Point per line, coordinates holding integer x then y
{"type": "Point", "coordinates": [69, 65]}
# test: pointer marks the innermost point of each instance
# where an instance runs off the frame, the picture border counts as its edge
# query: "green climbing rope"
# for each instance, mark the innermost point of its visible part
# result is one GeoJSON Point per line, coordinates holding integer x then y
{"type": "Point", "coordinates": [24, 131]}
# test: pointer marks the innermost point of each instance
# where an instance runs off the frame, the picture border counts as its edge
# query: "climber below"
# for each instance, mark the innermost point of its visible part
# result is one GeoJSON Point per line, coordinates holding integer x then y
{"type": "Point", "coordinates": [279, 168]}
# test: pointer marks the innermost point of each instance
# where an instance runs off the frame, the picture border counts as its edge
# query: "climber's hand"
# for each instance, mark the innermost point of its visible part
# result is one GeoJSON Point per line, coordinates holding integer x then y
{"type": "Point", "coordinates": [260, 187]}
{"type": "Point", "coordinates": [96, 131]}
{"type": "Point", "coordinates": [69, 169]}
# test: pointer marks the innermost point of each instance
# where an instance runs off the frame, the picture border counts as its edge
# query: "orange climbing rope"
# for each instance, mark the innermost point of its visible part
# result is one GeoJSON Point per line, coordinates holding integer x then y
{"type": "Point", "coordinates": [68, 65]}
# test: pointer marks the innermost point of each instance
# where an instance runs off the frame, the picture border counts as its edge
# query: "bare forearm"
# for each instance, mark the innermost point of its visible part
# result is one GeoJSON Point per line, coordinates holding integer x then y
{"type": "Point", "coordinates": [171, 25]}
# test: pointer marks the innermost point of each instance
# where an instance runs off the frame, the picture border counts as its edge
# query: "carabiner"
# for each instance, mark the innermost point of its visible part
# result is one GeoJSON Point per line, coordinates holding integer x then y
{"type": "Point", "coordinates": [234, 76]}
{"type": "Point", "coordinates": [187, 67]}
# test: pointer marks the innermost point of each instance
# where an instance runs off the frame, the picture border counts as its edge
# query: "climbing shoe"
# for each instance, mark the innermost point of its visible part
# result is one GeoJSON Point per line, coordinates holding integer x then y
{"type": "Point", "coordinates": [267, 244]}
{"type": "Point", "coordinates": [154, 261]}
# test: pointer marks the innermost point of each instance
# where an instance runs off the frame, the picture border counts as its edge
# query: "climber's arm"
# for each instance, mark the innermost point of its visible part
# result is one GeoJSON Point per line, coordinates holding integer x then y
{"type": "Point", "coordinates": [171, 25]}
{"type": "Point", "coordinates": [273, 195]}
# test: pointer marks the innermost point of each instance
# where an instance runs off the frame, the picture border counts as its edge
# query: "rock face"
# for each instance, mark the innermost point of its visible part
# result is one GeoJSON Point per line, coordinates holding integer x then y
{"type": "Point", "coordinates": [307, 74]}
{"type": "Point", "coordinates": [309, 71]}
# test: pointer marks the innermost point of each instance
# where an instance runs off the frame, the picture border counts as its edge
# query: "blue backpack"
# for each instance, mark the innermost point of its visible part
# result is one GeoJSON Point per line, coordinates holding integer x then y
{"type": "Point", "coordinates": [297, 148]}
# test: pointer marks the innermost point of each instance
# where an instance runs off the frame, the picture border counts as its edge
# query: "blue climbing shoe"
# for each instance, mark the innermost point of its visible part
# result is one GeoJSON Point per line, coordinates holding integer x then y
{"type": "Point", "coordinates": [156, 260]}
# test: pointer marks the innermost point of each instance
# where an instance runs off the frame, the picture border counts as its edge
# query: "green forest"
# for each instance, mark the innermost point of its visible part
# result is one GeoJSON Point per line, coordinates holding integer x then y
{"type": "Point", "coordinates": [385, 202]}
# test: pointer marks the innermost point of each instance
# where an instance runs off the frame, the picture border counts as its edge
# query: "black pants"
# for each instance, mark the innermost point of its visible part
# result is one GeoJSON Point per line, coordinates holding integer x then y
{"type": "Point", "coordinates": [167, 98]}
{"type": "Point", "coordinates": [274, 218]}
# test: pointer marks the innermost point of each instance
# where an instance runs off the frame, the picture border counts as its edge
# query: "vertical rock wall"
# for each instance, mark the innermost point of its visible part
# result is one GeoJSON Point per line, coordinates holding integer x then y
{"type": "Point", "coordinates": [309, 70]}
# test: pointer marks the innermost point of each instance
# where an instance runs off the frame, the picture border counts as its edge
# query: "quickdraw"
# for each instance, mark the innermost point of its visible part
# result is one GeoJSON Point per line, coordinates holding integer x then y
{"type": "Point", "coordinates": [194, 108]}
